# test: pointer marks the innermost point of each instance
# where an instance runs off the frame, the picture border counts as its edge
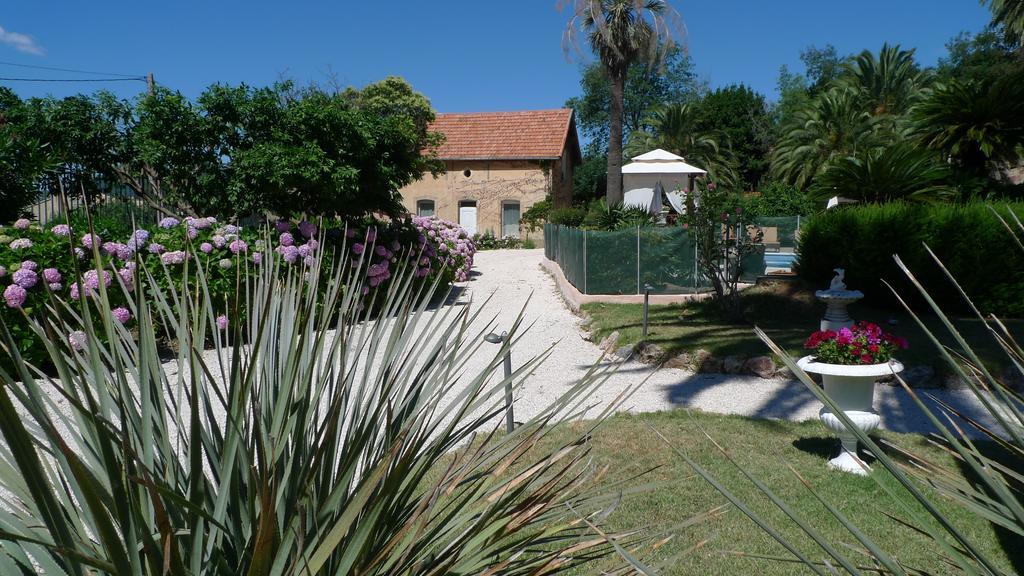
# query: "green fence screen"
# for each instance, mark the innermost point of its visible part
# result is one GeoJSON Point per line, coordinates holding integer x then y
{"type": "Point", "coordinates": [624, 261]}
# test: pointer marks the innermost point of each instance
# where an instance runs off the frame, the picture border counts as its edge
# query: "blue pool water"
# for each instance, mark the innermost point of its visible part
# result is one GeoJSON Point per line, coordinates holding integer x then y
{"type": "Point", "coordinates": [779, 259]}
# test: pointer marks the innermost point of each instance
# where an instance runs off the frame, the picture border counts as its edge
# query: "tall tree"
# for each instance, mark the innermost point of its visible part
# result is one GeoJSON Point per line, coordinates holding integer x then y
{"type": "Point", "coordinates": [646, 88]}
{"type": "Point", "coordinates": [888, 83]}
{"type": "Point", "coordinates": [741, 115]}
{"type": "Point", "coordinates": [621, 33]}
{"type": "Point", "coordinates": [833, 126]}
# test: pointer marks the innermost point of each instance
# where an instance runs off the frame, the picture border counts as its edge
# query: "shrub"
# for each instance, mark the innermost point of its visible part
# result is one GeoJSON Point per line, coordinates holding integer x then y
{"type": "Point", "coordinates": [67, 261]}
{"type": "Point", "coordinates": [571, 217]}
{"type": "Point", "coordinates": [969, 239]}
{"type": "Point", "coordinates": [488, 241]}
{"type": "Point", "coordinates": [601, 216]}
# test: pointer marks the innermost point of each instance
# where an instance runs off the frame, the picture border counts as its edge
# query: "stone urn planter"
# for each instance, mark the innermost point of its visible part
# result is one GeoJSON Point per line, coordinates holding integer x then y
{"type": "Point", "coordinates": [852, 388]}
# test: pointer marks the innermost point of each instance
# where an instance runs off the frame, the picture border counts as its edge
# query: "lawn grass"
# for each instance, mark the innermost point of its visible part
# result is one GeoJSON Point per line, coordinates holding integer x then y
{"type": "Point", "coordinates": [628, 446]}
{"type": "Point", "coordinates": [786, 313]}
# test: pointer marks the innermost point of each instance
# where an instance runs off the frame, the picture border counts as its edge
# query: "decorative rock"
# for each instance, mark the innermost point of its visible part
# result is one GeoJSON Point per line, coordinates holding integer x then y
{"type": "Point", "coordinates": [681, 360]}
{"type": "Point", "coordinates": [785, 372]}
{"type": "Point", "coordinates": [609, 342]}
{"type": "Point", "coordinates": [732, 364]}
{"type": "Point", "coordinates": [762, 366]}
{"type": "Point", "coordinates": [624, 352]}
{"type": "Point", "coordinates": [587, 336]}
{"type": "Point", "coordinates": [703, 361]}
{"type": "Point", "coordinates": [919, 377]}
{"type": "Point", "coordinates": [648, 352]}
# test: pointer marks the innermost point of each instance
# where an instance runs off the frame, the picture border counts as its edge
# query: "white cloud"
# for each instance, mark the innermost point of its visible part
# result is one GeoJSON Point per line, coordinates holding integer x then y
{"type": "Point", "coordinates": [20, 42]}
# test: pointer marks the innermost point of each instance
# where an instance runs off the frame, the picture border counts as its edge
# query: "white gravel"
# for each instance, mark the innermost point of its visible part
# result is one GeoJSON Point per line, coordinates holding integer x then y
{"type": "Point", "coordinates": [513, 279]}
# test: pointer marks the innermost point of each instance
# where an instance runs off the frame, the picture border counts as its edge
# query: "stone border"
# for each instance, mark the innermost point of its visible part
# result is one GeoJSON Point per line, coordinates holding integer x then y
{"type": "Point", "coordinates": [575, 299]}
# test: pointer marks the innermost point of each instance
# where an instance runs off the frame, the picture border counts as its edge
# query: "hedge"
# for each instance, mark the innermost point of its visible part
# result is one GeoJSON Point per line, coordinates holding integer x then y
{"type": "Point", "coordinates": [969, 240]}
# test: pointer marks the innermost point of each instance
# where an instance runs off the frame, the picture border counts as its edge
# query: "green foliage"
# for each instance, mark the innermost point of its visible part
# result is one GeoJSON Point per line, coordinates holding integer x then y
{"type": "Point", "coordinates": [1009, 14]}
{"type": "Point", "coordinates": [535, 216]}
{"type": "Point", "coordinates": [288, 151]}
{"type": "Point", "coordinates": [898, 171]}
{"type": "Point", "coordinates": [590, 179]}
{"type": "Point", "coordinates": [985, 56]}
{"type": "Point", "coordinates": [677, 128]}
{"type": "Point", "coordinates": [967, 238]}
{"type": "Point", "coordinates": [779, 199]}
{"type": "Point", "coordinates": [601, 216]}
{"type": "Point", "coordinates": [741, 116]}
{"type": "Point", "coordinates": [308, 439]}
{"type": "Point", "coordinates": [572, 217]}
{"type": "Point", "coordinates": [977, 124]}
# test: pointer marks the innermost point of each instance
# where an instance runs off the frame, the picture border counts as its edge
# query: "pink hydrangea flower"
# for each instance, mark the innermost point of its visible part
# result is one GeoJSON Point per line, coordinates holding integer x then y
{"type": "Point", "coordinates": [77, 340]}
{"type": "Point", "coordinates": [222, 322]}
{"type": "Point", "coordinates": [25, 278]}
{"type": "Point", "coordinates": [237, 246]}
{"type": "Point", "coordinates": [15, 296]}
{"type": "Point", "coordinates": [206, 247]}
{"type": "Point", "coordinates": [121, 314]}
{"type": "Point", "coordinates": [173, 258]}
{"type": "Point", "coordinates": [51, 275]}
{"type": "Point", "coordinates": [29, 265]}
{"type": "Point", "coordinates": [61, 230]}
{"type": "Point", "coordinates": [20, 244]}
{"type": "Point", "coordinates": [22, 223]}
{"type": "Point", "coordinates": [286, 239]}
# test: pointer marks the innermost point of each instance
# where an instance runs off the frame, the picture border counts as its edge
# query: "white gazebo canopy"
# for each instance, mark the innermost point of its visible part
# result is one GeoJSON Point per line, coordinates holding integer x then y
{"type": "Point", "coordinates": [660, 162]}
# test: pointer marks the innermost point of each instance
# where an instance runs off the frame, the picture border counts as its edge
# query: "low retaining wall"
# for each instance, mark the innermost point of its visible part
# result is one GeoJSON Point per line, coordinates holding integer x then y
{"type": "Point", "coordinates": [574, 298]}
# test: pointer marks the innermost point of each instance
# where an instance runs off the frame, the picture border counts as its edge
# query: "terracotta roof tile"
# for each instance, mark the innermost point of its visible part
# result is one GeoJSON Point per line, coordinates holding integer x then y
{"type": "Point", "coordinates": [531, 134]}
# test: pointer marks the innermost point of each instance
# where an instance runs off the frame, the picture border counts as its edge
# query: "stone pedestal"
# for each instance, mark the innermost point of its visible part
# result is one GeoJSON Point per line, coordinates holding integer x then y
{"type": "Point", "coordinates": [836, 301]}
{"type": "Point", "coordinates": [852, 388]}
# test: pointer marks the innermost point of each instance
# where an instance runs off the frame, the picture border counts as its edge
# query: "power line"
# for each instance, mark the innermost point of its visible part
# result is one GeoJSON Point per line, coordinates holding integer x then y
{"type": "Point", "coordinates": [135, 79]}
{"type": "Point", "coordinates": [5, 63]}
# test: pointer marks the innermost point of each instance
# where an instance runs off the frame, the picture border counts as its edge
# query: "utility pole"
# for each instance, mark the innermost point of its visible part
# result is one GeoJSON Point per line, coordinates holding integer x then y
{"type": "Point", "coordinates": [150, 84]}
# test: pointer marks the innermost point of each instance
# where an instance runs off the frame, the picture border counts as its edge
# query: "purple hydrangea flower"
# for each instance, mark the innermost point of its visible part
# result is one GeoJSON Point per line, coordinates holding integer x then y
{"type": "Point", "coordinates": [286, 239]}
{"type": "Point", "coordinates": [257, 258]}
{"type": "Point", "coordinates": [3, 271]}
{"type": "Point", "coordinates": [90, 239]}
{"type": "Point", "coordinates": [358, 248]}
{"type": "Point", "coordinates": [224, 263]}
{"type": "Point", "coordinates": [25, 278]}
{"type": "Point", "coordinates": [20, 244]}
{"type": "Point", "coordinates": [155, 248]}
{"type": "Point", "coordinates": [22, 223]}
{"type": "Point", "coordinates": [192, 233]}
{"type": "Point", "coordinates": [174, 258]}
{"type": "Point", "coordinates": [29, 265]}
{"type": "Point", "coordinates": [222, 322]}
{"type": "Point", "coordinates": [231, 229]}
{"type": "Point", "coordinates": [313, 244]}
{"type": "Point", "coordinates": [289, 253]}
{"type": "Point", "coordinates": [206, 247]}
{"type": "Point", "coordinates": [121, 314]}
{"type": "Point", "coordinates": [127, 278]}
{"type": "Point", "coordinates": [307, 229]}
{"type": "Point", "coordinates": [15, 296]}
{"type": "Point", "coordinates": [79, 253]}
{"type": "Point", "coordinates": [91, 279]}
{"type": "Point", "coordinates": [51, 275]}
{"type": "Point", "coordinates": [219, 241]}
{"type": "Point", "coordinates": [77, 340]}
{"type": "Point", "coordinates": [237, 246]}
{"type": "Point", "coordinates": [283, 225]}
{"type": "Point", "coordinates": [55, 286]}
{"type": "Point", "coordinates": [169, 222]}
{"type": "Point", "coordinates": [61, 230]}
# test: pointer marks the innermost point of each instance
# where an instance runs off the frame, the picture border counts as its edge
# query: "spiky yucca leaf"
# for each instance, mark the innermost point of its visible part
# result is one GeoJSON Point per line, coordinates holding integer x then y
{"type": "Point", "coordinates": [310, 437]}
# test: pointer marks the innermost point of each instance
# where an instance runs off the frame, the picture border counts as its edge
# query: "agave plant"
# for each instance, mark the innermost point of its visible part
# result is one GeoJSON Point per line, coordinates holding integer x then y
{"type": "Point", "coordinates": [993, 486]}
{"type": "Point", "coordinates": [302, 437]}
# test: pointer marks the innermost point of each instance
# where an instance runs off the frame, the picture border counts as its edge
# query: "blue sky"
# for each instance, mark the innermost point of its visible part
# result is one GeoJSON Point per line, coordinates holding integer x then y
{"type": "Point", "coordinates": [466, 55]}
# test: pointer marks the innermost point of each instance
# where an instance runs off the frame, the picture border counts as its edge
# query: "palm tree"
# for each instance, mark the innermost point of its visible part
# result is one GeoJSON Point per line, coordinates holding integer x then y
{"type": "Point", "coordinates": [833, 126]}
{"type": "Point", "coordinates": [979, 125]}
{"type": "Point", "coordinates": [887, 84]}
{"type": "Point", "coordinates": [1010, 15]}
{"type": "Point", "coordinates": [900, 171]}
{"type": "Point", "coordinates": [620, 33]}
{"type": "Point", "coordinates": [674, 128]}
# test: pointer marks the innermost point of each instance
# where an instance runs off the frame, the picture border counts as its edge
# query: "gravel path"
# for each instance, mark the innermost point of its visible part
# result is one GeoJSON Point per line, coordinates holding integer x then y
{"type": "Point", "coordinates": [513, 279]}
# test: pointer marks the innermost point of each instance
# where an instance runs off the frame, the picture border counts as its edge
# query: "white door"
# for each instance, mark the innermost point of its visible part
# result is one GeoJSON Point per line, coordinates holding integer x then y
{"type": "Point", "coordinates": [467, 217]}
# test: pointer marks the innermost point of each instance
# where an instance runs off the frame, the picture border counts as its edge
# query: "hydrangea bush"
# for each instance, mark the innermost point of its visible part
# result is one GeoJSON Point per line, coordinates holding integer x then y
{"type": "Point", "coordinates": [865, 343]}
{"type": "Point", "coordinates": [36, 262]}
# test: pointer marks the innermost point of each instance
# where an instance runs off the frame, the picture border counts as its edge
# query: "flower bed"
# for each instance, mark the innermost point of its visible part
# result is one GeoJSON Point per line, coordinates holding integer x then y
{"type": "Point", "coordinates": [37, 263]}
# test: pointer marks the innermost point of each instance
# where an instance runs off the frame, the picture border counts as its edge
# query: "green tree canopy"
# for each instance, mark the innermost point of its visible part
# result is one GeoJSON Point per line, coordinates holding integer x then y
{"type": "Point", "coordinates": [741, 116]}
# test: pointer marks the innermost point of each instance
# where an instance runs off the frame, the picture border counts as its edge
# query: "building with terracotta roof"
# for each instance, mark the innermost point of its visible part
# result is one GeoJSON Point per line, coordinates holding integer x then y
{"type": "Point", "coordinates": [498, 164]}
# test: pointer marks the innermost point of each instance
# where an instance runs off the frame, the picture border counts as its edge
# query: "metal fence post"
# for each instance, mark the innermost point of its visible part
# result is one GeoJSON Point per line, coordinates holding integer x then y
{"type": "Point", "coordinates": [585, 234]}
{"type": "Point", "coordinates": [638, 259]}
